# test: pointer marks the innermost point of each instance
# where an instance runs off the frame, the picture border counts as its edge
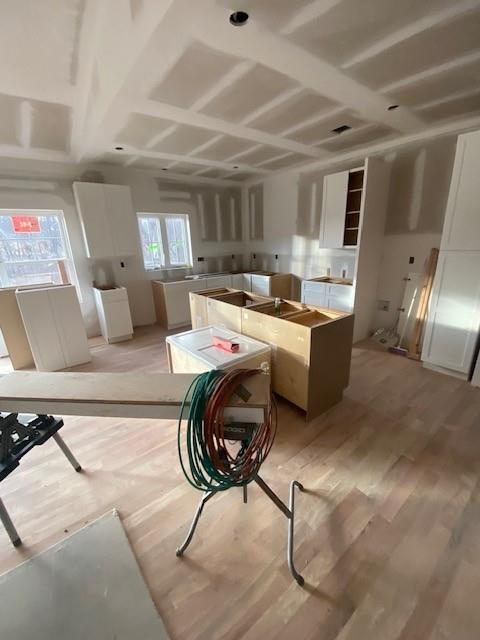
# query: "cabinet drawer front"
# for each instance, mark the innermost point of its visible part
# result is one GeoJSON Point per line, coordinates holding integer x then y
{"type": "Point", "coordinates": [344, 291]}
{"type": "Point", "coordinates": [317, 287]}
{"type": "Point", "coordinates": [315, 298]}
{"type": "Point", "coordinates": [339, 304]}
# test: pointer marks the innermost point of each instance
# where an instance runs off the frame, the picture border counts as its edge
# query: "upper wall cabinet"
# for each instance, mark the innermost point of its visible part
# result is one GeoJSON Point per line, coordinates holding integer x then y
{"type": "Point", "coordinates": [107, 219]}
{"type": "Point", "coordinates": [341, 207]}
{"type": "Point", "coordinates": [461, 231]}
{"type": "Point", "coordinates": [255, 212]}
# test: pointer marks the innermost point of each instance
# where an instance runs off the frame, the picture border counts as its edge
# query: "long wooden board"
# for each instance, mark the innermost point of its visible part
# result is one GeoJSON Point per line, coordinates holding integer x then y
{"type": "Point", "coordinates": [124, 395]}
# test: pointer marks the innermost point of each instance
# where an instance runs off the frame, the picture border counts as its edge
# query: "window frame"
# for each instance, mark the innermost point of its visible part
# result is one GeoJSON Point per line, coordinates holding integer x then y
{"type": "Point", "coordinates": [59, 214]}
{"type": "Point", "coordinates": [165, 250]}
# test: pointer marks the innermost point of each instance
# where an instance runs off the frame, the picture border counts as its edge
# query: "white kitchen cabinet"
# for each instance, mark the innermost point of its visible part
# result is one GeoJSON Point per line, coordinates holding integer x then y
{"type": "Point", "coordinates": [247, 282]}
{"type": "Point", "coordinates": [114, 314]}
{"type": "Point", "coordinates": [271, 284]}
{"type": "Point", "coordinates": [54, 327]}
{"type": "Point", "coordinates": [332, 222]}
{"type": "Point", "coordinates": [172, 303]}
{"type": "Point", "coordinates": [314, 293]}
{"type": "Point", "coordinates": [238, 281]}
{"type": "Point", "coordinates": [330, 296]}
{"type": "Point", "coordinates": [216, 282]}
{"type": "Point", "coordinates": [107, 219]}
{"type": "Point", "coordinates": [454, 314]}
{"type": "Point", "coordinates": [342, 200]}
{"type": "Point", "coordinates": [461, 231]}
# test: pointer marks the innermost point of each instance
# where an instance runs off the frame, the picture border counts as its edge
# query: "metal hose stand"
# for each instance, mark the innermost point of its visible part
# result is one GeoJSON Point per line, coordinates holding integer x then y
{"type": "Point", "coordinates": [289, 512]}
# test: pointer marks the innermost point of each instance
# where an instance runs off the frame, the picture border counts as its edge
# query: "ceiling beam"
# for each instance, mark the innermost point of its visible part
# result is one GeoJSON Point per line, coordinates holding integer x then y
{"type": "Point", "coordinates": [185, 116]}
{"type": "Point", "coordinates": [279, 100]}
{"type": "Point", "coordinates": [121, 48]}
{"type": "Point", "coordinates": [47, 155]}
{"type": "Point", "coordinates": [450, 98]}
{"type": "Point", "coordinates": [447, 67]}
{"type": "Point", "coordinates": [381, 148]}
{"type": "Point", "coordinates": [237, 73]}
{"type": "Point", "coordinates": [312, 11]}
{"type": "Point", "coordinates": [411, 30]}
{"type": "Point", "coordinates": [175, 157]}
{"type": "Point", "coordinates": [256, 43]}
{"type": "Point", "coordinates": [87, 49]}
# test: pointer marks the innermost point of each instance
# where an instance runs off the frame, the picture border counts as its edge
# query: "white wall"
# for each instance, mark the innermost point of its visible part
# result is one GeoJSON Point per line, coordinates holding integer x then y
{"type": "Point", "coordinates": [420, 180]}
{"type": "Point", "coordinates": [418, 192]}
{"type": "Point", "coordinates": [56, 193]}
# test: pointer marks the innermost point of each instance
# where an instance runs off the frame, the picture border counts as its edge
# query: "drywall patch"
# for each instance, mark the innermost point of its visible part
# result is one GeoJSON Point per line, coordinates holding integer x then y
{"type": "Point", "coordinates": [225, 147]}
{"type": "Point", "coordinates": [184, 139]}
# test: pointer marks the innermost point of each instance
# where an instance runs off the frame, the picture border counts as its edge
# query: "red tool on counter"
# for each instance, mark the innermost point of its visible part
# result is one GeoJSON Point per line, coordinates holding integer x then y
{"type": "Point", "coordinates": [225, 344]}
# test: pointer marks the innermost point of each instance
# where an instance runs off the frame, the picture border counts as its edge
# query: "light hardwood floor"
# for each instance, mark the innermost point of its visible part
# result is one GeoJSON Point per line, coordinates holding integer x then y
{"type": "Point", "coordinates": [388, 533]}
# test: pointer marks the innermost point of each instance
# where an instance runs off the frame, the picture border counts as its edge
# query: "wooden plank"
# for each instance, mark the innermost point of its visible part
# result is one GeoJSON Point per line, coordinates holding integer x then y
{"type": "Point", "coordinates": [136, 395]}
{"type": "Point", "coordinates": [415, 344]}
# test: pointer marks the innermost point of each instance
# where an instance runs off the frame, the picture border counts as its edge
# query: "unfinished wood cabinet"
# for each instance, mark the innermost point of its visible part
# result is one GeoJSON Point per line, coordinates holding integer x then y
{"type": "Point", "coordinates": [222, 307]}
{"type": "Point", "coordinates": [311, 347]}
{"type": "Point", "coordinates": [172, 307]}
{"type": "Point", "coordinates": [311, 352]}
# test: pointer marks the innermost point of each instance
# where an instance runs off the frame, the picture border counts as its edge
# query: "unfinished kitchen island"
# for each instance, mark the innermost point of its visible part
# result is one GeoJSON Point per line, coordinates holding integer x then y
{"type": "Point", "coordinates": [311, 346]}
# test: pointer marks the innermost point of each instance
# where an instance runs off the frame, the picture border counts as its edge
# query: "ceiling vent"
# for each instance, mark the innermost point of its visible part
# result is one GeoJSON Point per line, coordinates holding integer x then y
{"type": "Point", "coordinates": [341, 128]}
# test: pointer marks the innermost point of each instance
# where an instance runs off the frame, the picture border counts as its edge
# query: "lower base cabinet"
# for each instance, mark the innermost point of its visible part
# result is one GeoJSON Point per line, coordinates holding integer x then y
{"type": "Point", "coordinates": [311, 347]}
{"type": "Point", "coordinates": [54, 327]}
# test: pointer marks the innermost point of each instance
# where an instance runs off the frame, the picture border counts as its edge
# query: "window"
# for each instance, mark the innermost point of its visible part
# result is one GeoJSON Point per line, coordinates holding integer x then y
{"type": "Point", "coordinates": [165, 239]}
{"type": "Point", "coordinates": [34, 249]}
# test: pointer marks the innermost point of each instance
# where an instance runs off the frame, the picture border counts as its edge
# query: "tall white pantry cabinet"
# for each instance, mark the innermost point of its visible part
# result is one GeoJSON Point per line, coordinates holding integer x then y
{"type": "Point", "coordinates": [453, 323]}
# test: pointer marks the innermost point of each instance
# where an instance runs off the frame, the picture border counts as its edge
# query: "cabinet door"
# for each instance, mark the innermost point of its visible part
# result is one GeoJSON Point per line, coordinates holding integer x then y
{"type": "Point", "coordinates": [334, 203]}
{"type": "Point", "coordinates": [118, 321]}
{"type": "Point", "coordinates": [247, 282]}
{"type": "Point", "coordinates": [238, 280]}
{"type": "Point", "coordinates": [90, 201]}
{"type": "Point", "coordinates": [178, 303]}
{"type": "Point", "coordinates": [314, 293]}
{"type": "Point", "coordinates": [260, 285]}
{"type": "Point", "coordinates": [218, 281]}
{"type": "Point", "coordinates": [454, 315]}
{"type": "Point", "coordinates": [121, 220]}
{"type": "Point", "coordinates": [461, 230]}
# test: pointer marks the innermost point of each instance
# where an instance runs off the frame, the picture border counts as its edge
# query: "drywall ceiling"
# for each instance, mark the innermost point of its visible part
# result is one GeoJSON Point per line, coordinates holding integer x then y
{"type": "Point", "coordinates": [177, 89]}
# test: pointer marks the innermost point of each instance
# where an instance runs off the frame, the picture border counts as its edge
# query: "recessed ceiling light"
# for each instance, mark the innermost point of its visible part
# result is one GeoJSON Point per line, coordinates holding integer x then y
{"type": "Point", "coordinates": [341, 128]}
{"type": "Point", "coordinates": [164, 169]}
{"type": "Point", "coordinates": [392, 107]}
{"type": "Point", "coordinates": [238, 18]}
{"type": "Point", "coordinates": [235, 166]}
{"type": "Point", "coordinates": [118, 148]}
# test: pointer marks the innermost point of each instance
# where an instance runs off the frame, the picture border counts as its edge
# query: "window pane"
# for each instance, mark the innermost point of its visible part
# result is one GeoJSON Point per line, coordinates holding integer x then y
{"type": "Point", "coordinates": [31, 249]}
{"type": "Point", "coordinates": [151, 240]}
{"type": "Point", "coordinates": [177, 239]}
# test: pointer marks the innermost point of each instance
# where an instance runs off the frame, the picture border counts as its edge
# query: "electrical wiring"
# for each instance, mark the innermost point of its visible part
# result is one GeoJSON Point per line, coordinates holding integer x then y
{"type": "Point", "coordinates": [206, 461]}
